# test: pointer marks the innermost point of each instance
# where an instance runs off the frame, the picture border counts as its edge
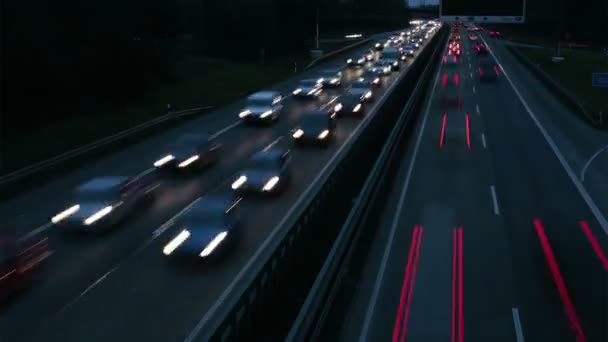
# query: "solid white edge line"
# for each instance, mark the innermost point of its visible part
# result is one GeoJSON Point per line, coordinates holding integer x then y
{"type": "Point", "coordinates": [494, 200]}
{"type": "Point", "coordinates": [483, 140]}
{"type": "Point", "coordinates": [374, 298]}
{"type": "Point", "coordinates": [599, 216]}
{"type": "Point", "coordinates": [584, 170]}
{"type": "Point", "coordinates": [210, 311]}
{"type": "Point", "coordinates": [519, 333]}
{"type": "Point", "coordinates": [163, 227]}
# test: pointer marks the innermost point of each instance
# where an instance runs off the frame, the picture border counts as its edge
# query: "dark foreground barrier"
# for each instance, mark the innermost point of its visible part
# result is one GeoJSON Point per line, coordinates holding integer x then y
{"type": "Point", "coordinates": [326, 306]}
{"type": "Point", "coordinates": [595, 118]}
{"type": "Point", "coordinates": [261, 304]}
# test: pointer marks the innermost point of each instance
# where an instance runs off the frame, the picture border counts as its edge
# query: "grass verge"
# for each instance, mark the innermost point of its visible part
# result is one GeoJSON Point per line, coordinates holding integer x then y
{"type": "Point", "coordinates": [574, 73]}
{"type": "Point", "coordinates": [200, 82]}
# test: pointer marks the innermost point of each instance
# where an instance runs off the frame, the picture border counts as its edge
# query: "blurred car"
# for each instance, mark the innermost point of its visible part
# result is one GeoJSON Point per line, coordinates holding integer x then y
{"type": "Point", "coordinates": [371, 78]}
{"type": "Point", "coordinates": [450, 61]}
{"type": "Point", "coordinates": [21, 261]}
{"type": "Point", "coordinates": [356, 61]}
{"type": "Point", "coordinates": [472, 37]}
{"type": "Point", "coordinates": [370, 55]}
{"type": "Point", "coordinates": [495, 34]}
{"type": "Point", "coordinates": [362, 89]}
{"type": "Point", "coordinates": [330, 78]}
{"type": "Point", "coordinates": [394, 56]}
{"type": "Point", "coordinates": [379, 46]}
{"type": "Point", "coordinates": [263, 106]}
{"type": "Point", "coordinates": [267, 172]}
{"type": "Point", "coordinates": [408, 50]}
{"type": "Point", "coordinates": [450, 90]}
{"type": "Point", "coordinates": [316, 127]}
{"type": "Point", "coordinates": [102, 202]}
{"type": "Point", "coordinates": [190, 151]}
{"type": "Point", "coordinates": [481, 49]}
{"type": "Point", "coordinates": [382, 67]}
{"type": "Point", "coordinates": [488, 71]}
{"type": "Point", "coordinates": [350, 104]}
{"type": "Point", "coordinates": [207, 229]}
{"type": "Point", "coordinates": [308, 88]}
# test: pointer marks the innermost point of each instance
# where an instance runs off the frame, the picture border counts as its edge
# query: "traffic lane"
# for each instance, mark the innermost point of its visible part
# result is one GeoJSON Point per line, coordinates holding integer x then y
{"type": "Point", "coordinates": [79, 261]}
{"type": "Point", "coordinates": [154, 287]}
{"type": "Point", "coordinates": [532, 184]}
{"type": "Point", "coordinates": [577, 140]}
{"type": "Point", "coordinates": [19, 212]}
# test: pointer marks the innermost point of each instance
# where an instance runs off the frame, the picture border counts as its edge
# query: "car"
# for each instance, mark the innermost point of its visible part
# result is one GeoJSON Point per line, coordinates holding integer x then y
{"type": "Point", "coordinates": [488, 71]}
{"type": "Point", "coordinates": [370, 55]}
{"type": "Point", "coordinates": [481, 49]}
{"type": "Point", "coordinates": [189, 151]}
{"type": "Point", "coordinates": [473, 37]}
{"type": "Point", "coordinates": [450, 90]}
{"type": "Point", "coordinates": [382, 67]}
{"type": "Point", "coordinates": [349, 104]}
{"type": "Point", "coordinates": [267, 173]}
{"type": "Point", "coordinates": [21, 262]}
{"type": "Point", "coordinates": [371, 78]}
{"type": "Point", "coordinates": [450, 60]}
{"type": "Point", "coordinates": [207, 229]}
{"type": "Point", "coordinates": [308, 88]}
{"type": "Point", "coordinates": [362, 89]}
{"type": "Point", "coordinates": [356, 61]}
{"type": "Point", "coordinates": [495, 34]}
{"type": "Point", "coordinates": [379, 46]}
{"type": "Point", "coordinates": [330, 78]}
{"type": "Point", "coordinates": [103, 202]}
{"type": "Point", "coordinates": [408, 49]}
{"type": "Point", "coordinates": [316, 128]}
{"type": "Point", "coordinates": [393, 55]}
{"type": "Point", "coordinates": [262, 107]}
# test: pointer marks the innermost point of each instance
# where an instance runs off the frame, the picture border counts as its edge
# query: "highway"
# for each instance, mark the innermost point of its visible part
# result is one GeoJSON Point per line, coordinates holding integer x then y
{"type": "Point", "coordinates": [492, 242]}
{"type": "Point", "coordinates": [119, 286]}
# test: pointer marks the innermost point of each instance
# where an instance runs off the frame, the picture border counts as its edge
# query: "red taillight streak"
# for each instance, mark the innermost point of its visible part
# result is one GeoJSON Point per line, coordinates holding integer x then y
{"type": "Point", "coordinates": [480, 71]}
{"type": "Point", "coordinates": [444, 80]}
{"type": "Point", "coordinates": [404, 286]}
{"type": "Point", "coordinates": [594, 244]}
{"type": "Point", "coordinates": [460, 289]}
{"type": "Point", "coordinates": [559, 282]}
{"type": "Point", "coordinates": [457, 79]}
{"type": "Point", "coordinates": [412, 283]}
{"type": "Point", "coordinates": [468, 123]}
{"type": "Point", "coordinates": [445, 117]}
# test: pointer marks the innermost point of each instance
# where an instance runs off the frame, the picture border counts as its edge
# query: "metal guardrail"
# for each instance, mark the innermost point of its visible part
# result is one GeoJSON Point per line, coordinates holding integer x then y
{"type": "Point", "coordinates": [337, 52]}
{"type": "Point", "coordinates": [324, 290]}
{"type": "Point", "coordinates": [597, 119]}
{"type": "Point", "coordinates": [239, 308]}
{"type": "Point", "coordinates": [88, 148]}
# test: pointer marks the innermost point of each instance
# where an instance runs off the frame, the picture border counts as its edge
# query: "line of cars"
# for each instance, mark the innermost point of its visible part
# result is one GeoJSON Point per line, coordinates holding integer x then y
{"type": "Point", "coordinates": [213, 221]}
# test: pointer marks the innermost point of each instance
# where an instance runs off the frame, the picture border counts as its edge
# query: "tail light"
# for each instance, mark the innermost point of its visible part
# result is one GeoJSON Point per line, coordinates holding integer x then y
{"type": "Point", "coordinates": [496, 69]}
{"type": "Point", "coordinates": [480, 71]}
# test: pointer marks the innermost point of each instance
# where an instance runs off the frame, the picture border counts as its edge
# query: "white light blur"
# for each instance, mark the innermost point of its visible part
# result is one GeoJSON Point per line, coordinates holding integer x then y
{"type": "Point", "coordinates": [164, 160]}
{"type": "Point", "coordinates": [338, 107]}
{"type": "Point", "coordinates": [239, 182]}
{"type": "Point", "coordinates": [244, 113]}
{"type": "Point", "coordinates": [213, 244]}
{"type": "Point", "coordinates": [297, 91]}
{"type": "Point", "coordinates": [271, 183]}
{"type": "Point", "coordinates": [65, 214]}
{"type": "Point", "coordinates": [350, 36]}
{"type": "Point", "coordinates": [266, 114]}
{"type": "Point", "coordinates": [188, 161]}
{"type": "Point", "coordinates": [298, 134]}
{"type": "Point", "coordinates": [368, 94]}
{"type": "Point", "coordinates": [357, 108]}
{"type": "Point", "coordinates": [323, 134]}
{"type": "Point", "coordinates": [350, 60]}
{"type": "Point", "coordinates": [98, 215]}
{"type": "Point", "coordinates": [176, 242]}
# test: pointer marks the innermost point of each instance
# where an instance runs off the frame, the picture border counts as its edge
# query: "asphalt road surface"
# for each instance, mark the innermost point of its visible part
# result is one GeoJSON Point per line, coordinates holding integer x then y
{"type": "Point", "coordinates": [119, 286]}
{"type": "Point", "coordinates": [492, 242]}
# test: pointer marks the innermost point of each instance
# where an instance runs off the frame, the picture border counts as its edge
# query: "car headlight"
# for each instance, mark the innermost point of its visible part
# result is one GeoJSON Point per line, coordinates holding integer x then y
{"type": "Point", "coordinates": [350, 60]}
{"type": "Point", "coordinates": [298, 133]}
{"type": "Point", "coordinates": [334, 81]}
{"type": "Point", "coordinates": [270, 184]}
{"type": "Point", "coordinates": [338, 107]}
{"type": "Point", "coordinates": [357, 108]}
{"type": "Point", "coordinates": [176, 242]}
{"type": "Point", "coordinates": [239, 182]}
{"type": "Point", "coordinates": [65, 214]}
{"type": "Point", "coordinates": [368, 94]}
{"type": "Point", "coordinates": [266, 114]}
{"type": "Point", "coordinates": [164, 160]}
{"type": "Point", "coordinates": [213, 244]}
{"type": "Point", "coordinates": [396, 64]}
{"type": "Point", "coordinates": [376, 81]}
{"type": "Point", "coordinates": [361, 61]}
{"type": "Point", "coordinates": [244, 113]}
{"type": "Point", "coordinates": [188, 161]}
{"type": "Point", "coordinates": [320, 80]}
{"type": "Point", "coordinates": [297, 91]}
{"type": "Point", "coordinates": [98, 215]}
{"type": "Point", "coordinates": [323, 134]}
{"type": "Point", "coordinates": [313, 91]}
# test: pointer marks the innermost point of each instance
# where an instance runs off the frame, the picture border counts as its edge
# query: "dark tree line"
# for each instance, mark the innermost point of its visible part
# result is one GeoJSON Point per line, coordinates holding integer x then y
{"type": "Point", "coordinates": [69, 57]}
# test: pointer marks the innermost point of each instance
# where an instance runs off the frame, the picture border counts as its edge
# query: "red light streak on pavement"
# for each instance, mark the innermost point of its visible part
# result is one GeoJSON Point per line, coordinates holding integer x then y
{"type": "Point", "coordinates": [594, 244]}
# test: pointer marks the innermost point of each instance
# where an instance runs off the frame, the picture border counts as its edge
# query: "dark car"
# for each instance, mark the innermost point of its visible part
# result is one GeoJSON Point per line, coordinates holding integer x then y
{"type": "Point", "coordinates": [481, 49]}
{"type": "Point", "coordinates": [356, 61]}
{"type": "Point", "coordinates": [262, 107]}
{"type": "Point", "coordinates": [309, 88]}
{"type": "Point", "coordinates": [408, 49]}
{"type": "Point", "coordinates": [190, 151]}
{"type": "Point", "coordinates": [207, 229]}
{"type": "Point", "coordinates": [495, 34]}
{"type": "Point", "coordinates": [379, 46]}
{"type": "Point", "coordinates": [21, 261]}
{"type": "Point", "coordinates": [371, 78]}
{"type": "Point", "coordinates": [349, 104]}
{"type": "Point", "coordinates": [267, 172]}
{"type": "Point", "coordinates": [102, 202]}
{"type": "Point", "coordinates": [362, 89]}
{"type": "Point", "coordinates": [316, 127]}
{"type": "Point", "coordinates": [450, 61]}
{"type": "Point", "coordinates": [488, 71]}
{"type": "Point", "coordinates": [450, 90]}
{"type": "Point", "coordinates": [330, 78]}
